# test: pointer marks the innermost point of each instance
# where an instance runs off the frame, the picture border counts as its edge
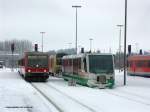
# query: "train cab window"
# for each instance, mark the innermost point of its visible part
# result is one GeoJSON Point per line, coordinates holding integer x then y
{"type": "Point", "coordinates": [40, 60]}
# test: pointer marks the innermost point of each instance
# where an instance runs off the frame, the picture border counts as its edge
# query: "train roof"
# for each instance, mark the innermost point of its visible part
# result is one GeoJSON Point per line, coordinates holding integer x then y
{"type": "Point", "coordinates": [58, 55]}
{"type": "Point", "coordinates": [84, 55]}
{"type": "Point", "coordinates": [139, 57]}
{"type": "Point", "coordinates": [36, 53]}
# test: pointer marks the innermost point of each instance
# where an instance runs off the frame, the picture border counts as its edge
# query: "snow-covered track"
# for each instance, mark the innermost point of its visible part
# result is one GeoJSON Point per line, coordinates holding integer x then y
{"type": "Point", "coordinates": [73, 99]}
{"type": "Point", "coordinates": [47, 98]}
{"type": "Point", "coordinates": [45, 87]}
{"type": "Point", "coordinates": [134, 94]}
{"type": "Point", "coordinates": [128, 96]}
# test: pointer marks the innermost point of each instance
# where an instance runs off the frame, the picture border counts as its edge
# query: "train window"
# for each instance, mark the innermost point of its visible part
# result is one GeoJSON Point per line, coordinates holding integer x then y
{"type": "Point", "coordinates": [85, 67]}
{"type": "Point", "coordinates": [149, 63]}
{"type": "Point", "coordinates": [79, 63]}
{"type": "Point", "coordinates": [141, 63]}
{"type": "Point", "coordinates": [144, 63]}
{"type": "Point", "coordinates": [75, 63]}
{"type": "Point", "coordinates": [70, 62]}
{"type": "Point", "coordinates": [64, 62]}
{"type": "Point", "coordinates": [58, 61]}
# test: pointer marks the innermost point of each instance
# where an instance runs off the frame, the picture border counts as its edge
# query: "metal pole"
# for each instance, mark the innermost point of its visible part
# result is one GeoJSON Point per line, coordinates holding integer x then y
{"type": "Point", "coordinates": [119, 46]}
{"type": "Point", "coordinates": [76, 31]}
{"type": "Point", "coordinates": [90, 44]}
{"type": "Point", "coordinates": [125, 36]}
{"type": "Point", "coordinates": [42, 42]}
{"type": "Point", "coordinates": [12, 62]}
{"type": "Point", "coordinates": [42, 39]}
{"type": "Point", "coordinates": [76, 43]}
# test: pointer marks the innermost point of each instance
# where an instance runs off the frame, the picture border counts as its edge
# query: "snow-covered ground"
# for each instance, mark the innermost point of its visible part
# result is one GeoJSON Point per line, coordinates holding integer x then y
{"type": "Point", "coordinates": [14, 91]}
{"type": "Point", "coordinates": [16, 95]}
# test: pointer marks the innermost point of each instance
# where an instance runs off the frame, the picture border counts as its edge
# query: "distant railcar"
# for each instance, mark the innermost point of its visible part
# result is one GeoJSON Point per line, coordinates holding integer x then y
{"type": "Point", "coordinates": [34, 66]}
{"type": "Point", "coordinates": [55, 63]}
{"type": "Point", "coordinates": [139, 65]}
{"type": "Point", "coordinates": [93, 70]}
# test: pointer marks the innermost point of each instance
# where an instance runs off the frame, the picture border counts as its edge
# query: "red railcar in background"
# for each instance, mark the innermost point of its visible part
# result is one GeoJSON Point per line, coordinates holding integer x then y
{"type": "Point", "coordinates": [34, 66]}
{"type": "Point", "coordinates": [139, 65]}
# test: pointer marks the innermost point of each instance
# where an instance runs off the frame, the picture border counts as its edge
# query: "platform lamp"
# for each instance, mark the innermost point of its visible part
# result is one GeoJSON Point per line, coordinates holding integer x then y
{"type": "Point", "coordinates": [76, 44]}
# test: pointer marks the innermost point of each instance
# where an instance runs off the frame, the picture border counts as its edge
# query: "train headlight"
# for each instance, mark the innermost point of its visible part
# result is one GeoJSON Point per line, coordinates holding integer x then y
{"type": "Point", "coordinates": [44, 70]}
{"type": "Point", "coordinates": [29, 70]}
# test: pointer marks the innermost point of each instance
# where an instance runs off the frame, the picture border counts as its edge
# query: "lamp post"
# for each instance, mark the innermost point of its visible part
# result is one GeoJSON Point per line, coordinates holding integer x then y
{"type": "Point", "coordinates": [90, 44]}
{"type": "Point", "coordinates": [42, 39]}
{"type": "Point", "coordinates": [125, 36]}
{"type": "Point", "coordinates": [120, 26]}
{"type": "Point", "coordinates": [76, 7]}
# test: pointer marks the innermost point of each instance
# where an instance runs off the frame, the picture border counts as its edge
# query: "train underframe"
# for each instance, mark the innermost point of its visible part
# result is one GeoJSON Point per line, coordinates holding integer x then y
{"type": "Point", "coordinates": [85, 81]}
{"type": "Point", "coordinates": [140, 74]}
{"type": "Point", "coordinates": [36, 77]}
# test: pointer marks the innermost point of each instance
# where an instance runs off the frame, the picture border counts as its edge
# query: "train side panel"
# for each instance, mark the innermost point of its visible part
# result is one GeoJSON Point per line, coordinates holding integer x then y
{"type": "Point", "coordinates": [139, 65]}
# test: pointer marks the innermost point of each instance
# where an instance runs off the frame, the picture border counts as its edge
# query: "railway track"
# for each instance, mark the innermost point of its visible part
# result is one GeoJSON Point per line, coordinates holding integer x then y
{"type": "Point", "coordinates": [89, 109]}
{"type": "Point", "coordinates": [127, 97]}
{"type": "Point", "coordinates": [43, 95]}
{"type": "Point", "coordinates": [134, 94]}
{"type": "Point", "coordinates": [47, 98]}
{"type": "Point", "coordinates": [73, 99]}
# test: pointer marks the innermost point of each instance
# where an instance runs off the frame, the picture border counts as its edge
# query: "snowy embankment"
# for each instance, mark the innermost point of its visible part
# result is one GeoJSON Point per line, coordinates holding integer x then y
{"type": "Point", "coordinates": [18, 96]}
{"type": "Point", "coordinates": [134, 97]}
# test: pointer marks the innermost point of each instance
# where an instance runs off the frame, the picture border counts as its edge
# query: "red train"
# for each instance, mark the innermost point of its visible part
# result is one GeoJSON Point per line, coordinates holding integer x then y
{"type": "Point", "coordinates": [139, 65]}
{"type": "Point", "coordinates": [34, 66]}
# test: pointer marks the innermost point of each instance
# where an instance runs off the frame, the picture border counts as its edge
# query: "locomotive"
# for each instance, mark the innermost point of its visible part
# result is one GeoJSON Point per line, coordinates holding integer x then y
{"type": "Point", "coordinates": [55, 63]}
{"type": "Point", "coordinates": [93, 70]}
{"type": "Point", "coordinates": [139, 65]}
{"type": "Point", "coordinates": [34, 66]}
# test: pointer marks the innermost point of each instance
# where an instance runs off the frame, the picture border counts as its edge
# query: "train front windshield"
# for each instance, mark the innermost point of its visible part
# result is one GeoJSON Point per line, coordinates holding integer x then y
{"type": "Point", "coordinates": [37, 61]}
{"type": "Point", "coordinates": [101, 64]}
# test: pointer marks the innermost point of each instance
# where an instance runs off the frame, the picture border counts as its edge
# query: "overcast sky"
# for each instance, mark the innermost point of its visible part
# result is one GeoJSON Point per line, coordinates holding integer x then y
{"type": "Point", "coordinates": [97, 19]}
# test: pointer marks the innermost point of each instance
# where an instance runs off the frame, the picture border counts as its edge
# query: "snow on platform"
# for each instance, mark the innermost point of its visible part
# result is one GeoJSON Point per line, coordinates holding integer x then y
{"type": "Point", "coordinates": [16, 95]}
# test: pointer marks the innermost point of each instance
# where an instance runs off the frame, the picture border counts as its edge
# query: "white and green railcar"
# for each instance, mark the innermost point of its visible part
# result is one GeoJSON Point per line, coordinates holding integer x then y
{"type": "Point", "coordinates": [93, 70]}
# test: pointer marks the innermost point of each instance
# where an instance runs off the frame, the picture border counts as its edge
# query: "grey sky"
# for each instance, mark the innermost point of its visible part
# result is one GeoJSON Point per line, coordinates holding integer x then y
{"type": "Point", "coordinates": [97, 19]}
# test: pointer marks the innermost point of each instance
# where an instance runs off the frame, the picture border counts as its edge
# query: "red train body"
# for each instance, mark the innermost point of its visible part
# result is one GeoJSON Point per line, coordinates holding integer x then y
{"type": "Point", "coordinates": [34, 66]}
{"type": "Point", "coordinates": [139, 65]}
